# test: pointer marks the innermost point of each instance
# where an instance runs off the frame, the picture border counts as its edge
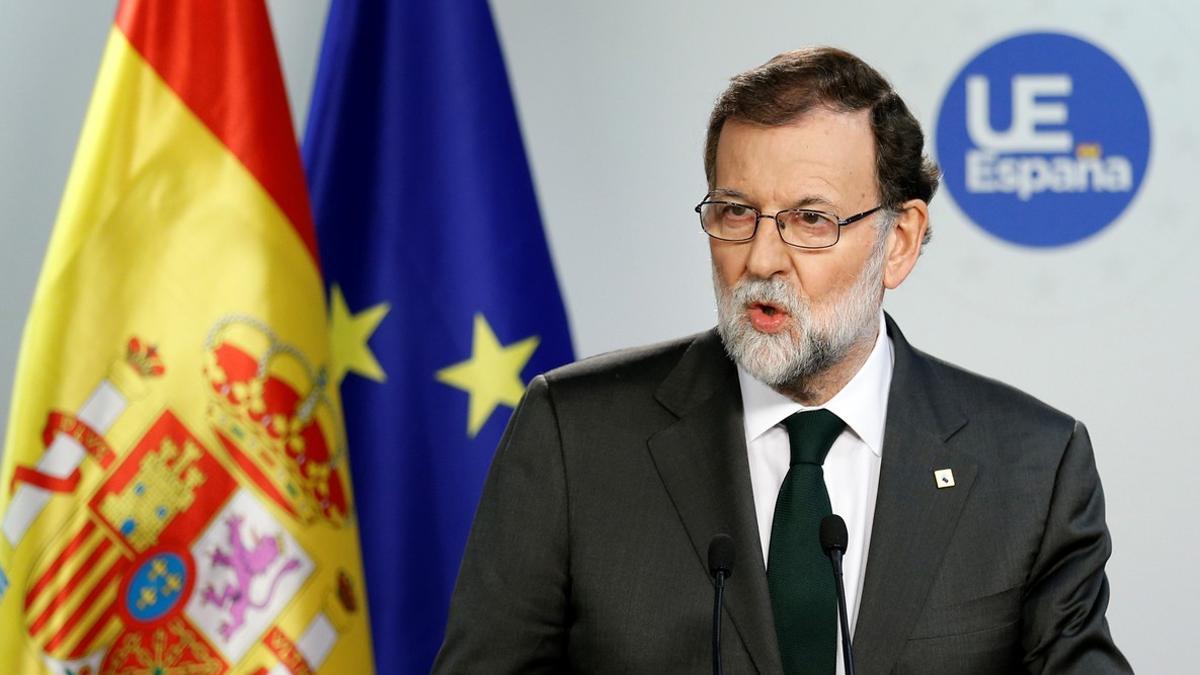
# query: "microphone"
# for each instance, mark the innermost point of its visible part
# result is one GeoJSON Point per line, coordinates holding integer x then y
{"type": "Point", "coordinates": [720, 565]}
{"type": "Point", "coordinates": [833, 542]}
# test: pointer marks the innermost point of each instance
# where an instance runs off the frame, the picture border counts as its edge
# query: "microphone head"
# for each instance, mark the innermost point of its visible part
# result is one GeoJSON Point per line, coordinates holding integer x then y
{"type": "Point", "coordinates": [833, 534]}
{"type": "Point", "coordinates": [720, 555]}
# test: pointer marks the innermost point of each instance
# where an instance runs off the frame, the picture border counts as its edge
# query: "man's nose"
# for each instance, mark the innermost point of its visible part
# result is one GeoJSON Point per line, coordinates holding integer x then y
{"type": "Point", "coordinates": [768, 253]}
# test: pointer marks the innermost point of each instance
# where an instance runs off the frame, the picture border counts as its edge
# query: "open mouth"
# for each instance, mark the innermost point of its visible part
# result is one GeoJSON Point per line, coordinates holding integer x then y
{"type": "Point", "coordinates": [766, 317]}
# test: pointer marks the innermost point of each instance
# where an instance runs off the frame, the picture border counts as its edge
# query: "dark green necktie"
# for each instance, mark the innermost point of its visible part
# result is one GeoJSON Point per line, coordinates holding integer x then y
{"type": "Point", "coordinates": [798, 573]}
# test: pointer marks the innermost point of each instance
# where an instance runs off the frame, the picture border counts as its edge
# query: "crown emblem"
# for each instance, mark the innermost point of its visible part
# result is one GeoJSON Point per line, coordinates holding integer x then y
{"type": "Point", "coordinates": [270, 410]}
{"type": "Point", "coordinates": [144, 358]}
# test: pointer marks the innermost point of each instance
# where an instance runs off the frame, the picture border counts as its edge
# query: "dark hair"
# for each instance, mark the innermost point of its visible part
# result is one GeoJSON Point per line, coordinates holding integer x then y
{"type": "Point", "coordinates": [785, 88]}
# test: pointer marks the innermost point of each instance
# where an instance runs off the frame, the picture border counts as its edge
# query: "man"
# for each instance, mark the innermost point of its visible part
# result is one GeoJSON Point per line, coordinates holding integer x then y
{"type": "Point", "coordinates": [977, 539]}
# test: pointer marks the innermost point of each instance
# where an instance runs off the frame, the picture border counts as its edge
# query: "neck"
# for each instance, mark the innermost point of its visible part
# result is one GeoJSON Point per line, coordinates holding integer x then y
{"type": "Point", "coordinates": [817, 388]}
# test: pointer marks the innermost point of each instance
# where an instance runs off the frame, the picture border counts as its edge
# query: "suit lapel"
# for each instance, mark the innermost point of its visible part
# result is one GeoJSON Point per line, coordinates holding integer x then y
{"type": "Point", "coordinates": [702, 462]}
{"type": "Point", "coordinates": [914, 519]}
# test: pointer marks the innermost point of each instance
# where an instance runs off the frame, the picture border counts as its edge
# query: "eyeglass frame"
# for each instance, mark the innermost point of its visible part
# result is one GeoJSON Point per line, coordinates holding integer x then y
{"type": "Point", "coordinates": [759, 215]}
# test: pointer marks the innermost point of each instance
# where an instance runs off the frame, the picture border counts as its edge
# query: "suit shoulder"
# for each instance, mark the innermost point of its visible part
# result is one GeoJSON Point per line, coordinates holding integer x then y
{"type": "Point", "coordinates": [646, 364]}
{"type": "Point", "coordinates": [985, 397]}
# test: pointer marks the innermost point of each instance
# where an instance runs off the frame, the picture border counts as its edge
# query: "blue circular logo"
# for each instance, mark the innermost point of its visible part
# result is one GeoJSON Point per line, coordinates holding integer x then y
{"type": "Point", "coordinates": [156, 587]}
{"type": "Point", "coordinates": [1043, 139]}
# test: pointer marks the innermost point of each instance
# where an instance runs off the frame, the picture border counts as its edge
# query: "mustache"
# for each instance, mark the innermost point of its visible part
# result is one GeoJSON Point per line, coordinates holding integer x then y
{"type": "Point", "coordinates": [767, 291]}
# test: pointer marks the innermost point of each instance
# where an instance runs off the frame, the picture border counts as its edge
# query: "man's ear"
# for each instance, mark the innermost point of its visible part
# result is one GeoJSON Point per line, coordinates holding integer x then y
{"type": "Point", "coordinates": [904, 242]}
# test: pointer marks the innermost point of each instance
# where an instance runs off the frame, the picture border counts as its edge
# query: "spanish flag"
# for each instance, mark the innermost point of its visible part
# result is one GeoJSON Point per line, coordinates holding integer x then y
{"type": "Point", "coordinates": [174, 494]}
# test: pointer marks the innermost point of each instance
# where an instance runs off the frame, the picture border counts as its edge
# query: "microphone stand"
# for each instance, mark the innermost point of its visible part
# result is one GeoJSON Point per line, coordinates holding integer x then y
{"type": "Point", "coordinates": [716, 630]}
{"type": "Point", "coordinates": [847, 651]}
{"type": "Point", "coordinates": [720, 565]}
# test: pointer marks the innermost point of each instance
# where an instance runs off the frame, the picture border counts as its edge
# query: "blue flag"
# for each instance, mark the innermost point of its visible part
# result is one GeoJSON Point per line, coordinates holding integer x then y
{"type": "Point", "coordinates": [443, 303]}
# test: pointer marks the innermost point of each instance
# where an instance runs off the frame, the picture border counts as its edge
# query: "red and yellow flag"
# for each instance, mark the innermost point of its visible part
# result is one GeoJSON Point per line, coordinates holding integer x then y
{"type": "Point", "coordinates": [175, 491]}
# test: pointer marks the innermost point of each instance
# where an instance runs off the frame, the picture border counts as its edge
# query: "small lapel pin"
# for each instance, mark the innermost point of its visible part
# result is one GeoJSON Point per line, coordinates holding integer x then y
{"type": "Point", "coordinates": [944, 478]}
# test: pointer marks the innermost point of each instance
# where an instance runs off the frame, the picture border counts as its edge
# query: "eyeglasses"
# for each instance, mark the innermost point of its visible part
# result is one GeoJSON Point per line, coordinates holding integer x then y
{"type": "Point", "coordinates": [802, 228]}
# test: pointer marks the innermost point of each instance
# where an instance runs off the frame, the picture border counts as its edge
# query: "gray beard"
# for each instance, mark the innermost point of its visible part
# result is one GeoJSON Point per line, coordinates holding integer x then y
{"type": "Point", "coordinates": [817, 339]}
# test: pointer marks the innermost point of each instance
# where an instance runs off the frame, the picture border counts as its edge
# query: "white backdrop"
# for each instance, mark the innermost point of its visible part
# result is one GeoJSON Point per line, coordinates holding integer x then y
{"type": "Point", "coordinates": [613, 97]}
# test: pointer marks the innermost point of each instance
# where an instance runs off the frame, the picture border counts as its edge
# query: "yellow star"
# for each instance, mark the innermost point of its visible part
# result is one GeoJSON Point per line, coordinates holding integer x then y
{"type": "Point", "coordinates": [492, 376]}
{"type": "Point", "coordinates": [349, 334]}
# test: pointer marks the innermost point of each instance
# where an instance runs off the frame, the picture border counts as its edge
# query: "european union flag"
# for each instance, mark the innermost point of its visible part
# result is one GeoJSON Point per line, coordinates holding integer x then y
{"type": "Point", "coordinates": [430, 238]}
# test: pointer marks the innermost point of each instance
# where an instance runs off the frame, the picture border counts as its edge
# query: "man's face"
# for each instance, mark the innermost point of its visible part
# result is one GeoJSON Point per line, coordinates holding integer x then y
{"type": "Point", "coordinates": [787, 313]}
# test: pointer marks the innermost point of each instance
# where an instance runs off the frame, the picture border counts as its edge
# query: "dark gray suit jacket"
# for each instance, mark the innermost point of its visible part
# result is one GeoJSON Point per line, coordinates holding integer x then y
{"type": "Point", "coordinates": [588, 550]}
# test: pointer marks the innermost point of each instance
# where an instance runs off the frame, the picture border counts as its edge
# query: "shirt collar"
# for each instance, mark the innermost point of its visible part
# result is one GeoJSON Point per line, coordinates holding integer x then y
{"type": "Point", "coordinates": [862, 403]}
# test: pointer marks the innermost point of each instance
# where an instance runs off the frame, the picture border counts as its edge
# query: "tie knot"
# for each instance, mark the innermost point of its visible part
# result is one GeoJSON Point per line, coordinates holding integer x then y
{"type": "Point", "coordinates": [811, 433]}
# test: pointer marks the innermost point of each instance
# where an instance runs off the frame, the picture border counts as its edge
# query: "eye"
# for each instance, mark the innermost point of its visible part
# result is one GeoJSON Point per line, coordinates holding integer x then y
{"type": "Point", "coordinates": [736, 212]}
{"type": "Point", "coordinates": [807, 220]}
{"type": "Point", "coordinates": [808, 229]}
{"type": "Point", "coordinates": [811, 218]}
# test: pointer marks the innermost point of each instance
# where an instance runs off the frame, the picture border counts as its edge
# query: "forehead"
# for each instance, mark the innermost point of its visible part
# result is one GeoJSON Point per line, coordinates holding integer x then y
{"type": "Point", "coordinates": [822, 156]}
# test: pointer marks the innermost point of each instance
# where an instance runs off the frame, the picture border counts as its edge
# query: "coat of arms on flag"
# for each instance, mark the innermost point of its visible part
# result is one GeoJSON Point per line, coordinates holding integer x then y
{"type": "Point", "coordinates": [174, 495]}
{"type": "Point", "coordinates": [178, 560]}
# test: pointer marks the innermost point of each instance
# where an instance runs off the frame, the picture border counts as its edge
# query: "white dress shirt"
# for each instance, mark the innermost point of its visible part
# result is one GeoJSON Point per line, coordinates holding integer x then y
{"type": "Point", "coordinates": [851, 468]}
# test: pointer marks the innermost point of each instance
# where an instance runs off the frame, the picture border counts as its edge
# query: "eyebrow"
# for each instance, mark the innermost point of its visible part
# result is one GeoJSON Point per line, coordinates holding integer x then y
{"type": "Point", "coordinates": [804, 202]}
{"type": "Point", "coordinates": [726, 192]}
